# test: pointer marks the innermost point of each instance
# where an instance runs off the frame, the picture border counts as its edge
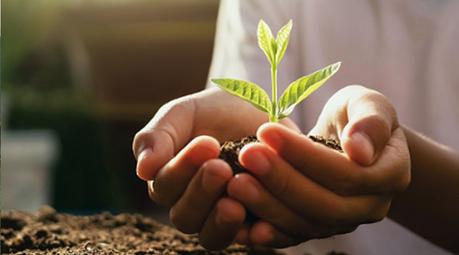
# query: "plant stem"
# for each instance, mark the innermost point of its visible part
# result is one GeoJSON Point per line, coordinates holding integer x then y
{"type": "Point", "coordinates": [274, 112]}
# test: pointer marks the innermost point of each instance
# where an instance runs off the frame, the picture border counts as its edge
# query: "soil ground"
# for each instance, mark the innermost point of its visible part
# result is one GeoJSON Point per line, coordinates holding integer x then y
{"type": "Point", "coordinates": [49, 232]}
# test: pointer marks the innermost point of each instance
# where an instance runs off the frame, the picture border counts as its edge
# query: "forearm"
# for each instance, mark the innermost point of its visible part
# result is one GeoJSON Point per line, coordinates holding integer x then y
{"type": "Point", "coordinates": [430, 205]}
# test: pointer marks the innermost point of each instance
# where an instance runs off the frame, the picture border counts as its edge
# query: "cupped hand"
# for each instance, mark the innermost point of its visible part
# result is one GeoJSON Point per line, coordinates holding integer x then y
{"type": "Point", "coordinates": [302, 190]}
{"type": "Point", "coordinates": [177, 154]}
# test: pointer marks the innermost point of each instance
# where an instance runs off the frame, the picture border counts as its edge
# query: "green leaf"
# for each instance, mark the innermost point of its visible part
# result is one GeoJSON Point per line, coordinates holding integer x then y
{"type": "Point", "coordinates": [248, 91]}
{"type": "Point", "coordinates": [300, 89]}
{"type": "Point", "coordinates": [266, 40]}
{"type": "Point", "coordinates": [282, 40]}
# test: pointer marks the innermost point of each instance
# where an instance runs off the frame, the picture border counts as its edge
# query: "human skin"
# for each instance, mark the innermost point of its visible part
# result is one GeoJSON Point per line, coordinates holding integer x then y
{"type": "Point", "coordinates": [344, 190]}
{"type": "Point", "coordinates": [430, 206]}
{"type": "Point", "coordinates": [178, 148]}
{"type": "Point", "coordinates": [311, 191]}
{"type": "Point", "coordinates": [191, 181]}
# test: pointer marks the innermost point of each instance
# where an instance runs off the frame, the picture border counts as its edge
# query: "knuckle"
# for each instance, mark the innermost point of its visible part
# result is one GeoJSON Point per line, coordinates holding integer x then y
{"type": "Point", "coordinates": [381, 124]}
{"type": "Point", "coordinates": [186, 104]}
{"type": "Point", "coordinates": [384, 107]}
{"type": "Point", "coordinates": [377, 126]}
{"type": "Point", "coordinates": [141, 135]}
{"type": "Point", "coordinates": [378, 121]}
{"type": "Point", "coordinates": [160, 123]}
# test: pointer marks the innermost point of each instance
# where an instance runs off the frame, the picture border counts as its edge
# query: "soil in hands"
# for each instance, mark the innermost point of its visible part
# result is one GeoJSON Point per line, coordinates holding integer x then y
{"type": "Point", "coordinates": [229, 151]}
{"type": "Point", "coordinates": [49, 232]}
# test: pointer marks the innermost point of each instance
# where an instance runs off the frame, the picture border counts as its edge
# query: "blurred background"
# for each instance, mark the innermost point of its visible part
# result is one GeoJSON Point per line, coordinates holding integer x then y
{"type": "Point", "coordinates": [79, 79]}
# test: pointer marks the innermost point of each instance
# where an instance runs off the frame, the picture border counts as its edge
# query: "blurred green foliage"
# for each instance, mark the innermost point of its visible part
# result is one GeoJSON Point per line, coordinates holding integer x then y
{"type": "Point", "coordinates": [26, 24]}
{"type": "Point", "coordinates": [38, 84]}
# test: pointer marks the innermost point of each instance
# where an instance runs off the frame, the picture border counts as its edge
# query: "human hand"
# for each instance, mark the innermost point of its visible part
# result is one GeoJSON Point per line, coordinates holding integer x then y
{"type": "Point", "coordinates": [178, 149]}
{"type": "Point", "coordinates": [302, 190]}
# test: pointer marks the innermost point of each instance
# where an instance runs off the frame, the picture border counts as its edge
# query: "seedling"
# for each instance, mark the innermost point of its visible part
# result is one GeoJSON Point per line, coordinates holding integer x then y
{"type": "Point", "coordinates": [296, 92]}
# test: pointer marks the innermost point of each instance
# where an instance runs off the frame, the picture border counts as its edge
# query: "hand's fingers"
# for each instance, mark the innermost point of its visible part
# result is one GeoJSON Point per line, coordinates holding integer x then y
{"type": "Point", "coordinates": [222, 225]}
{"type": "Point", "coordinates": [371, 120]}
{"type": "Point", "coordinates": [289, 186]}
{"type": "Point", "coordinates": [153, 156]}
{"type": "Point", "coordinates": [172, 180]}
{"type": "Point", "coordinates": [247, 190]}
{"type": "Point", "coordinates": [196, 203]}
{"type": "Point", "coordinates": [242, 236]}
{"type": "Point", "coordinates": [163, 136]}
{"type": "Point", "coordinates": [334, 170]}
{"type": "Point", "coordinates": [265, 234]}
{"type": "Point", "coordinates": [363, 119]}
{"type": "Point", "coordinates": [178, 121]}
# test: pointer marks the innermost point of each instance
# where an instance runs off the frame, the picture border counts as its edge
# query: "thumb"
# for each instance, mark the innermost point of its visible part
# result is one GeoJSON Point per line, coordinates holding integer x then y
{"type": "Point", "coordinates": [169, 130]}
{"type": "Point", "coordinates": [371, 120]}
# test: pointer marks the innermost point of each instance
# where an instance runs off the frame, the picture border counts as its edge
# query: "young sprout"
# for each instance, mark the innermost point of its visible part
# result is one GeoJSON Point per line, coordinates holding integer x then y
{"type": "Point", "coordinates": [296, 92]}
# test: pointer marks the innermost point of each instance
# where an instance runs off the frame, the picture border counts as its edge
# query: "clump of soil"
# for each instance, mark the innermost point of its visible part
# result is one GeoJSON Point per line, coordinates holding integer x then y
{"type": "Point", "coordinates": [49, 232]}
{"type": "Point", "coordinates": [229, 151]}
{"type": "Point", "coordinates": [329, 142]}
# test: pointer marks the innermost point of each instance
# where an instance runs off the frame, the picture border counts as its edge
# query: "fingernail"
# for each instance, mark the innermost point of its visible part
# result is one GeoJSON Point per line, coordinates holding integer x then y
{"type": "Point", "coordinates": [258, 163]}
{"type": "Point", "coordinates": [364, 142]}
{"type": "Point", "coordinates": [144, 154]}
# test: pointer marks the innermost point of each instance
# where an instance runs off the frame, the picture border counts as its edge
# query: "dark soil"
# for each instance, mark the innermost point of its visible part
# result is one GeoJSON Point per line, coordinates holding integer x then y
{"type": "Point", "coordinates": [229, 151]}
{"type": "Point", "coordinates": [49, 232]}
{"type": "Point", "coordinates": [329, 142]}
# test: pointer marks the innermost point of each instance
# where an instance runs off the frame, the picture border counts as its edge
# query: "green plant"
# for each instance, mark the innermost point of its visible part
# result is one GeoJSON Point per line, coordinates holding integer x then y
{"type": "Point", "coordinates": [296, 92]}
